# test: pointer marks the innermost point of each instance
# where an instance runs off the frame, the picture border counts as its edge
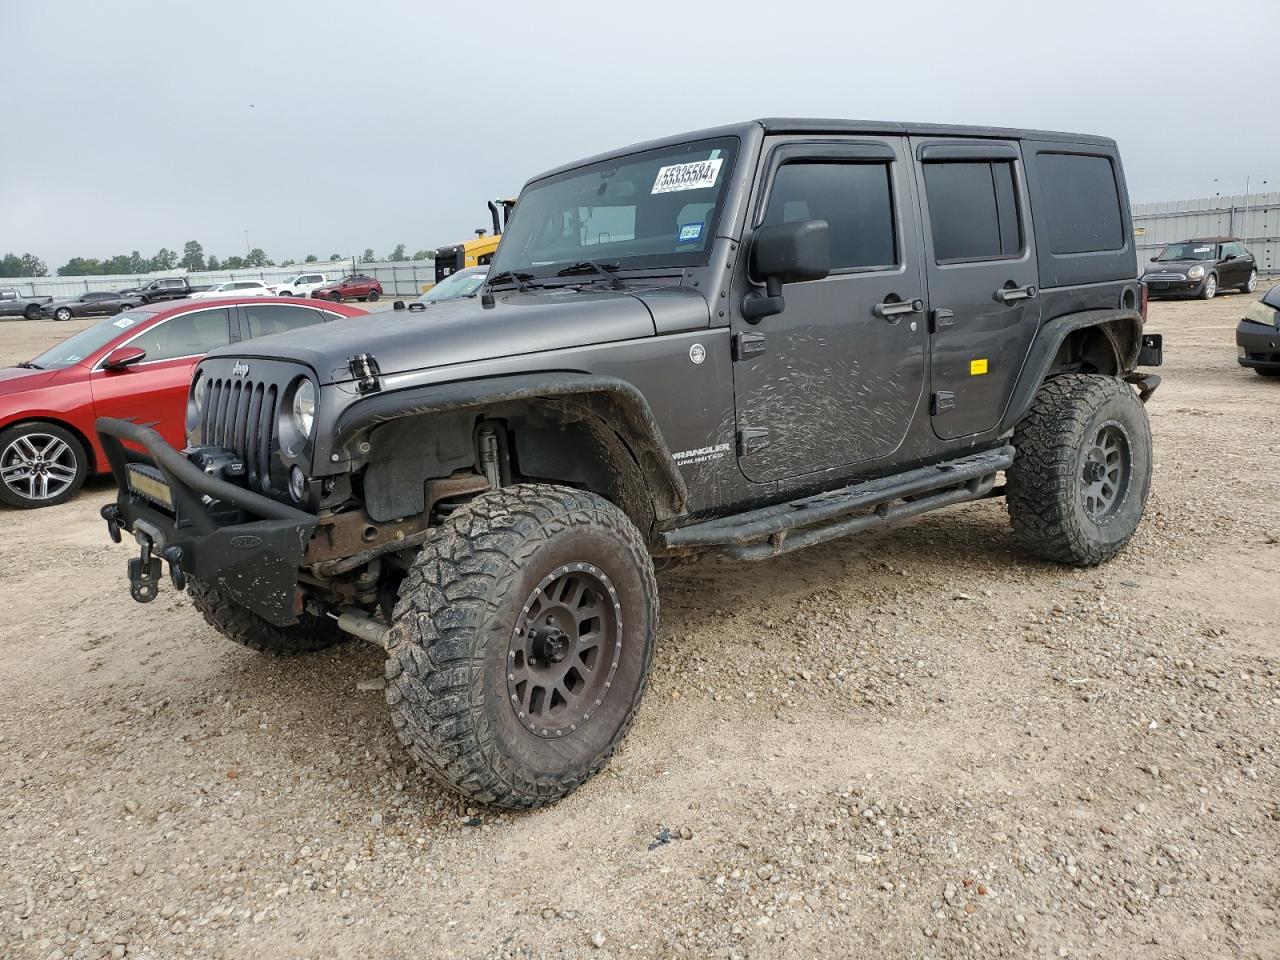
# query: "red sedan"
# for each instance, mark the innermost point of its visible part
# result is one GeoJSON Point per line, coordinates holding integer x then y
{"type": "Point", "coordinates": [136, 365]}
{"type": "Point", "coordinates": [354, 287]}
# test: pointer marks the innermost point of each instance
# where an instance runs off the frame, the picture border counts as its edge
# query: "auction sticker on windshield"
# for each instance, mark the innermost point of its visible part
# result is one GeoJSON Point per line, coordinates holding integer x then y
{"type": "Point", "coordinates": [687, 176]}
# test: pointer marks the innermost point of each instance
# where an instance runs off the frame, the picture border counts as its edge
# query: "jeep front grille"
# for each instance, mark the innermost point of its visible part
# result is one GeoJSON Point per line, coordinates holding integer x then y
{"type": "Point", "coordinates": [240, 415]}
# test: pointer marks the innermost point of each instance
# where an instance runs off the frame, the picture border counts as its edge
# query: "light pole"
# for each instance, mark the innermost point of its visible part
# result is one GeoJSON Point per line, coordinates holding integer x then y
{"type": "Point", "coordinates": [1231, 223]}
{"type": "Point", "coordinates": [1247, 182]}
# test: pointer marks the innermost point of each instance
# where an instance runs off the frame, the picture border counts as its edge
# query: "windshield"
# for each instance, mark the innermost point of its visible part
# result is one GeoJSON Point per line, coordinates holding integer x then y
{"type": "Point", "coordinates": [652, 209]}
{"type": "Point", "coordinates": [1189, 251]}
{"type": "Point", "coordinates": [88, 341]}
{"type": "Point", "coordinates": [458, 285]}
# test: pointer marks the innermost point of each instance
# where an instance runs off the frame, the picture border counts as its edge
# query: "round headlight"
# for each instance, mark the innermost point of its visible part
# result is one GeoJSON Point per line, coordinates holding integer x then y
{"type": "Point", "coordinates": [304, 408]}
{"type": "Point", "coordinates": [1196, 272]}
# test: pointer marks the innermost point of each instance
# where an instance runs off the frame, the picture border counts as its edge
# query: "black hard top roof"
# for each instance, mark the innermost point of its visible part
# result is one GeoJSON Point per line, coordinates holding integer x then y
{"type": "Point", "coordinates": [818, 126]}
{"type": "Point", "coordinates": [812, 125]}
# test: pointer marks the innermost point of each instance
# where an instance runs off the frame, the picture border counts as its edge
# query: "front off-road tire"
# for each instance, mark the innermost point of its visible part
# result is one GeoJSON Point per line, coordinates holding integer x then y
{"type": "Point", "coordinates": [490, 603]}
{"type": "Point", "coordinates": [1082, 470]}
{"type": "Point", "coordinates": [242, 626]}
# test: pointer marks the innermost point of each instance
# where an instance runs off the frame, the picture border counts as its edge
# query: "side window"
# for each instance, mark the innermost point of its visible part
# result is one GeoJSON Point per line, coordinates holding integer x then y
{"type": "Point", "coordinates": [186, 335]}
{"type": "Point", "coordinates": [856, 200]}
{"type": "Point", "coordinates": [269, 318]}
{"type": "Point", "coordinates": [1081, 203]}
{"type": "Point", "coordinates": [973, 210]}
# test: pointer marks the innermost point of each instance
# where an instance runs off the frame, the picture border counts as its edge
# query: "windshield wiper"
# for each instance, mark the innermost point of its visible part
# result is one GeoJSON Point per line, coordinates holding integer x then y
{"type": "Point", "coordinates": [521, 280]}
{"type": "Point", "coordinates": [28, 365]}
{"type": "Point", "coordinates": [585, 266]}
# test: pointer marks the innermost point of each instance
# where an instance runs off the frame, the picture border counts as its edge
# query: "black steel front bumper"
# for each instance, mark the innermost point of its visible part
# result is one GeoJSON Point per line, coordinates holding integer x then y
{"type": "Point", "coordinates": [243, 543]}
{"type": "Point", "coordinates": [1259, 345]}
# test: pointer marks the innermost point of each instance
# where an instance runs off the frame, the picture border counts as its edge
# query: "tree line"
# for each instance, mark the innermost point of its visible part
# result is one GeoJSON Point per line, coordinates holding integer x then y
{"type": "Point", "coordinates": [192, 258]}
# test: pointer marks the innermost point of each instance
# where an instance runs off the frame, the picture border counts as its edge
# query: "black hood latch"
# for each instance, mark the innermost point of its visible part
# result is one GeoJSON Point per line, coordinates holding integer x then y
{"type": "Point", "coordinates": [364, 367]}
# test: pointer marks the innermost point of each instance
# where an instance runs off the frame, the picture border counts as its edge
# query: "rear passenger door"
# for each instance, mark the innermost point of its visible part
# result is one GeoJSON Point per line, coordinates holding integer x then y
{"type": "Point", "coordinates": [264, 319]}
{"type": "Point", "coordinates": [982, 278]}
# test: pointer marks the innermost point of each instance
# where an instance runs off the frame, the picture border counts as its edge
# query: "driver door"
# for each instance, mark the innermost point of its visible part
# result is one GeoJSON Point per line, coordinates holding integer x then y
{"type": "Point", "coordinates": [835, 379]}
{"type": "Point", "coordinates": [153, 391]}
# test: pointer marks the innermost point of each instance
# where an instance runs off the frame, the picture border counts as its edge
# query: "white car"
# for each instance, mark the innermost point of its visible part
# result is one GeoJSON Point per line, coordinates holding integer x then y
{"type": "Point", "coordinates": [301, 285]}
{"type": "Point", "coordinates": [236, 288]}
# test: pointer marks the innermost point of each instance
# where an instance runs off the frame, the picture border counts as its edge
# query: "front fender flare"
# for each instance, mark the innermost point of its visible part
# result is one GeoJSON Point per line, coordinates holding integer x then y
{"type": "Point", "coordinates": [620, 404]}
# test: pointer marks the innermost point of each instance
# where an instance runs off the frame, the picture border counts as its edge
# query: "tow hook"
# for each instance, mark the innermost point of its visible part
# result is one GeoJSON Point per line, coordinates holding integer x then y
{"type": "Point", "coordinates": [144, 574]}
{"type": "Point", "coordinates": [173, 556]}
{"type": "Point", "coordinates": [111, 513]}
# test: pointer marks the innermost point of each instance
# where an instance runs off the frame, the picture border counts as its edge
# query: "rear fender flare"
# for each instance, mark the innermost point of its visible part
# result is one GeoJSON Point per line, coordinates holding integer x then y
{"type": "Point", "coordinates": [1121, 328]}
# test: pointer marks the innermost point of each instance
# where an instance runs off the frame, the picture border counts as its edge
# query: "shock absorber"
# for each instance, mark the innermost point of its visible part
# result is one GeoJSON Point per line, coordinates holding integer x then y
{"type": "Point", "coordinates": [489, 458]}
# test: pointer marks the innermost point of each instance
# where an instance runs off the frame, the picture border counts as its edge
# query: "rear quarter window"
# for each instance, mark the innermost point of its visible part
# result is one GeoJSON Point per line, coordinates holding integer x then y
{"type": "Point", "coordinates": [1080, 203]}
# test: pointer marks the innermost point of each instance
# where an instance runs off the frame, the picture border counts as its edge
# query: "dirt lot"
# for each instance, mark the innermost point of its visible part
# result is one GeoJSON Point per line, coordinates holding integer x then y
{"type": "Point", "coordinates": [917, 744]}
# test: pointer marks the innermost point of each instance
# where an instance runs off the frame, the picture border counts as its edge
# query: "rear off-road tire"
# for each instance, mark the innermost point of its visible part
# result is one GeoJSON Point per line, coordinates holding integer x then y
{"type": "Point", "coordinates": [243, 626]}
{"type": "Point", "coordinates": [472, 638]}
{"type": "Point", "coordinates": [1082, 470]}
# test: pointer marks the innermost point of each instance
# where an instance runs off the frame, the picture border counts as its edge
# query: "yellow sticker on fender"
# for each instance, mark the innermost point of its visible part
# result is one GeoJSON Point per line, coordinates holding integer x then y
{"type": "Point", "coordinates": [977, 367]}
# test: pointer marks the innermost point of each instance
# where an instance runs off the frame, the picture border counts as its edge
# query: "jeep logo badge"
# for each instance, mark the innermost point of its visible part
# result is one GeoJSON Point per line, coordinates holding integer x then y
{"type": "Point", "coordinates": [241, 369]}
{"type": "Point", "coordinates": [697, 353]}
{"type": "Point", "coordinates": [246, 541]}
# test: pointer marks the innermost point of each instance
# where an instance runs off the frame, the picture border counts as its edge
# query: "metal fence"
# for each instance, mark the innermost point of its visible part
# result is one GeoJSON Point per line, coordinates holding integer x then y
{"type": "Point", "coordinates": [398, 279]}
{"type": "Point", "coordinates": [1254, 218]}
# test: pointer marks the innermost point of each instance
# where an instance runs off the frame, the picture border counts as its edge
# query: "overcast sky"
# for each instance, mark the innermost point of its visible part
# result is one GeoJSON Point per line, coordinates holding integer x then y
{"type": "Point", "coordinates": [322, 126]}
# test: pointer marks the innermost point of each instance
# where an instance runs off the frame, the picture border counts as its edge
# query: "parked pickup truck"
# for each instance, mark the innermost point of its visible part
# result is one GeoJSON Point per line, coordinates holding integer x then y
{"type": "Point", "coordinates": [165, 288]}
{"type": "Point", "coordinates": [15, 304]}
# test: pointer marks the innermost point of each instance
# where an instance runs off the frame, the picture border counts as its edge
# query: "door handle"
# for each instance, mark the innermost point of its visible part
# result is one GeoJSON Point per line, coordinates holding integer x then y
{"type": "Point", "coordinates": [895, 310]}
{"type": "Point", "coordinates": [1010, 294]}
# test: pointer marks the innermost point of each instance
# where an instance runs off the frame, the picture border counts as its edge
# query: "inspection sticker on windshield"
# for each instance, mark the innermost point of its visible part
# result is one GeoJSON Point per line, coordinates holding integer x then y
{"type": "Point", "coordinates": [689, 231]}
{"type": "Point", "coordinates": [1204, 250]}
{"type": "Point", "coordinates": [124, 322]}
{"type": "Point", "coordinates": [687, 176]}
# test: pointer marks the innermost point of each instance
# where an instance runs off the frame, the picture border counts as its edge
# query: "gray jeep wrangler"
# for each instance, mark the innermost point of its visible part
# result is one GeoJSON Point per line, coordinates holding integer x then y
{"type": "Point", "coordinates": [746, 340]}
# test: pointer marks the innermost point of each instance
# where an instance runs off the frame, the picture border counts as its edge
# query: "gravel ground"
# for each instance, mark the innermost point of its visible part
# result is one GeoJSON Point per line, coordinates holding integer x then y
{"type": "Point", "coordinates": [914, 744]}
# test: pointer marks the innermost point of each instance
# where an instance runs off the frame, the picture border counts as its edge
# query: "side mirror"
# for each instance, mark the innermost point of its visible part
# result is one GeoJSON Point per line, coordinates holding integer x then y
{"type": "Point", "coordinates": [786, 253]}
{"type": "Point", "coordinates": [398, 305]}
{"type": "Point", "coordinates": [122, 357]}
{"type": "Point", "coordinates": [1229, 256]}
{"type": "Point", "coordinates": [1155, 259]}
{"type": "Point", "coordinates": [417, 306]}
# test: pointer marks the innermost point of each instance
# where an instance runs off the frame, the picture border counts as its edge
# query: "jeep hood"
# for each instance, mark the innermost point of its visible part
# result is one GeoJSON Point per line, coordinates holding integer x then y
{"type": "Point", "coordinates": [461, 331]}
